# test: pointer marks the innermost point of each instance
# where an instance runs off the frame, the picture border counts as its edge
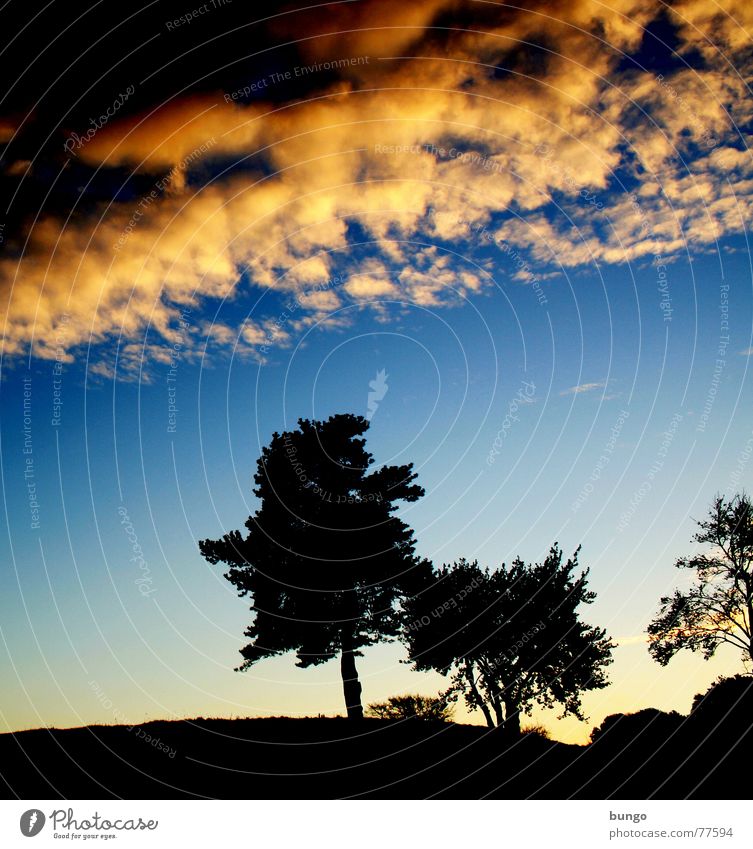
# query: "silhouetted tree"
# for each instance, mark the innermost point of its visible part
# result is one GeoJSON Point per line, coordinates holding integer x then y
{"type": "Point", "coordinates": [720, 725]}
{"type": "Point", "coordinates": [512, 637]}
{"type": "Point", "coordinates": [413, 706]}
{"type": "Point", "coordinates": [718, 607]}
{"type": "Point", "coordinates": [726, 699]}
{"type": "Point", "coordinates": [649, 727]}
{"type": "Point", "coordinates": [324, 560]}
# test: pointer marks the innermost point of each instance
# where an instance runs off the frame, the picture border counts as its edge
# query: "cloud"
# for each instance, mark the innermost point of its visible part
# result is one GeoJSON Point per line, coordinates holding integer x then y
{"type": "Point", "coordinates": [527, 121]}
{"type": "Point", "coordinates": [367, 286]}
{"type": "Point", "coordinates": [364, 29]}
{"type": "Point", "coordinates": [584, 387]}
{"type": "Point", "coordinates": [8, 127]}
{"type": "Point", "coordinates": [634, 640]}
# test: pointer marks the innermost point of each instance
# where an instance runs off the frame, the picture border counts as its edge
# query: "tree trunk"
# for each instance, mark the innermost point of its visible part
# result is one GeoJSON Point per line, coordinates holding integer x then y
{"type": "Point", "coordinates": [351, 684]}
{"type": "Point", "coordinates": [512, 717]}
{"type": "Point", "coordinates": [497, 705]}
{"type": "Point", "coordinates": [495, 697]}
{"type": "Point", "coordinates": [479, 699]}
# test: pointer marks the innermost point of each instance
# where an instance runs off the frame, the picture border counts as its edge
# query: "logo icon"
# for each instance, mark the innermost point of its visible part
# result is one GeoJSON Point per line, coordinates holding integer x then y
{"type": "Point", "coordinates": [32, 822]}
{"type": "Point", "coordinates": [379, 389]}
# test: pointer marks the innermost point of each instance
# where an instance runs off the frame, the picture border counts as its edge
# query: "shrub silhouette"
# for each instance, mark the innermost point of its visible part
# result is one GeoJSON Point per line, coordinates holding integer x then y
{"type": "Point", "coordinates": [647, 726]}
{"type": "Point", "coordinates": [725, 708]}
{"type": "Point", "coordinates": [723, 695]}
{"type": "Point", "coordinates": [536, 731]}
{"type": "Point", "coordinates": [412, 706]}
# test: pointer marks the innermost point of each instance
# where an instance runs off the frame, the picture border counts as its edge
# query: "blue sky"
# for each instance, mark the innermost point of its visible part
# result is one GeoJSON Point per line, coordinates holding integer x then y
{"type": "Point", "coordinates": [72, 610]}
{"type": "Point", "coordinates": [534, 224]}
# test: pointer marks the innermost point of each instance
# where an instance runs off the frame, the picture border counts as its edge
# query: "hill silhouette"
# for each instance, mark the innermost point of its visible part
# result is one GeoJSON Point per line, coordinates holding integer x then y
{"type": "Point", "coordinates": [649, 754]}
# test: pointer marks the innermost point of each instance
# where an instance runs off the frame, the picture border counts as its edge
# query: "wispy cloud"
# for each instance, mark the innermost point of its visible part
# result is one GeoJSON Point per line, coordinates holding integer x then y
{"type": "Point", "coordinates": [585, 387]}
{"type": "Point", "coordinates": [635, 640]}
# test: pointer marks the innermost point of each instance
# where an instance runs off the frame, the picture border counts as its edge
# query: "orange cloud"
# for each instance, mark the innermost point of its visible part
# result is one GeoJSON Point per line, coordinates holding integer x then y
{"type": "Point", "coordinates": [410, 150]}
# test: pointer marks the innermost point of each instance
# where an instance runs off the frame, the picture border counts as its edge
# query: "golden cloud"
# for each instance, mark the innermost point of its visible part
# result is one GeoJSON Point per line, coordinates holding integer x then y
{"type": "Point", "coordinates": [412, 150]}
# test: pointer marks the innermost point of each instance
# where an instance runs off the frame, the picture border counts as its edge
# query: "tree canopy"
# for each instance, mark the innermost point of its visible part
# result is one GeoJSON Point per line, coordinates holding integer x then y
{"type": "Point", "coordinates": [324, 559]}
{"type": "Point", "coordinates": [511, 637]}
{"type": "Point", "coordinates": [717, 609]}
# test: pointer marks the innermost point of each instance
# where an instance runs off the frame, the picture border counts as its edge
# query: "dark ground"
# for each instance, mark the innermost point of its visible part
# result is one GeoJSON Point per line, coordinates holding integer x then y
{"type": "Point", "coordinates": [648, 755]}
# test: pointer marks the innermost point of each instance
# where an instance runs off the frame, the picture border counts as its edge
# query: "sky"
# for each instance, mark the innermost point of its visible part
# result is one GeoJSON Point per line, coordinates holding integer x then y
{"type": "Point", "coordinates": [532, 219]}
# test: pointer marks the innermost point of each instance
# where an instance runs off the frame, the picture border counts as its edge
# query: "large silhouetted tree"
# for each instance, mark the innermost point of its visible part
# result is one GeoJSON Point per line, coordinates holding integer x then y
{"type": "Point", "coordinates": [718, 607]}
{"type": "Point", "coordinates": [325, 559]}
{"type": "Point", "coordinates": [511, 637]}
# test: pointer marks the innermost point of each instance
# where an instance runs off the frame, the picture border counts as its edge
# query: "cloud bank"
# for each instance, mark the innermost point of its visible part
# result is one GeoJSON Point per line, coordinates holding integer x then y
{"type": "Point", "coordinates": [547, 125]}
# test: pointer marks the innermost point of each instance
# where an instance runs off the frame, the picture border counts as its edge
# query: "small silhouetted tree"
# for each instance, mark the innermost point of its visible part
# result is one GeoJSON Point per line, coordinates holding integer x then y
{"type": "Point", "coordinates": [718, 607]}
{"type": "Point", "coordinates": [324, 559]}
{"type": "Point", "coordinates": [725, 699]}
{"type": "Point", "coordinates": [511, 638]}
{"type": "Point", "coordinates": [720, 721]}
{"type": "Point", "coordinates": [416, 706]}
{"type": "Point", "coordinates": [648, 725]}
